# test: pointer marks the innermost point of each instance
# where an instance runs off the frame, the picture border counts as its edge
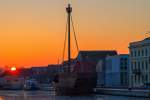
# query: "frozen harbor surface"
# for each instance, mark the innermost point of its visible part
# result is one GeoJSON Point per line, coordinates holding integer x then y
{"type": "Point", "coordinates": [47, 95]}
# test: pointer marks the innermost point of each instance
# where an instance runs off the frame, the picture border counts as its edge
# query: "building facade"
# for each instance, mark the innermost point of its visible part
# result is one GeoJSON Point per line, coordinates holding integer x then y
{"type": "Point", "coordinates": [140, 63]}
{"type": "Point", "coordinates": [45, 74]}
{"type": "Point", "coordinates": [100, 67]}
{"type": "Point", "coordinates": [87, 60]}
{"type": "Point", "coordinates": [117, 71]}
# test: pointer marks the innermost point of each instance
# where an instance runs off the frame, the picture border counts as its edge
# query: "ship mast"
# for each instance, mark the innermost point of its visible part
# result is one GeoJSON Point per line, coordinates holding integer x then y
{"type": "Point", "coordinates": [69, 10]}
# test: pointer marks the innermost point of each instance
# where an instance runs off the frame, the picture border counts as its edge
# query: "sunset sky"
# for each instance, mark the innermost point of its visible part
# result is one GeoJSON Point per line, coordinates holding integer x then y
{"type": "Point", "coordinates": [32, 31]}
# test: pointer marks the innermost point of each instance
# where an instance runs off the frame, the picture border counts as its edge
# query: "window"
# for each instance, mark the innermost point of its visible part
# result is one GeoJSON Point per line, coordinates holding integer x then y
{"type": "Point", "coordinates": [121, 59]}
{"type": "Point", "coordinates": [149, 60]}
{"type": "Point", "coordinates": [125, 59]}
{"type": "Point", "coordinates": [121, 63]}
{"type": "Point", "coordinates": [121, 68]}
{"type": "Point", "coordinates": [135, 53]}
{"type": "Point", "coordinates": [135, 79]}
{"type": "Point", "coordinates": [139, 65]}
{"type": "Point", "coordinates": [143, 78]}
{"type": "Point", "coordinates": [146, 78]}
{"type": "Point", "coordinates": [135, 65]}
{"type": "Point", "coordinates": [126, 63]}
{"type": "Point", "coordinates": [125, 67]}
{"type": "Point", "coordinates": [146, 52]}
{"type": "Point", "coordinates": [142, 53]}
{"type": "Point", "coordinates": [146, 65]}
{"type": "Point", "coordinates": [142, 65]}
{"type": "Point", "coordinates": [138, 79]}
{"type": "Point", "coordinates": [139, 53]}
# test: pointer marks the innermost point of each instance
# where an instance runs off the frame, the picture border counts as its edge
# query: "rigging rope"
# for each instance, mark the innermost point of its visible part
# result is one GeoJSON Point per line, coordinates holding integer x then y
{"type": "Point", "coordinates": [66, 38]}
{"type": "Point", "coordinates": [65, 43]}
{"type": "Point", "coordinates": [74, 34]}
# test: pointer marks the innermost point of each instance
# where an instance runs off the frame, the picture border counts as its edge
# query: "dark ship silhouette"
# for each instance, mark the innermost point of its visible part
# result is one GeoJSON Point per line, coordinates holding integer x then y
{"type": "Point", "coordinates": [79, 75]}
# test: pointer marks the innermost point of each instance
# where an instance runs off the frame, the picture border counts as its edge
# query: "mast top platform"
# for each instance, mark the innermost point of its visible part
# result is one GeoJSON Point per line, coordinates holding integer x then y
{"type": "Point", "coordinates": [69, 9]}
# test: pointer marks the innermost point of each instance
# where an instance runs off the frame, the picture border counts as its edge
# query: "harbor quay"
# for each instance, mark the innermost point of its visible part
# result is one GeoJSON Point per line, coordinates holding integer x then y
{"type": "Point", "coordinates": [123, 92]}
{"type": "Point", "coordinates": [47, 95]}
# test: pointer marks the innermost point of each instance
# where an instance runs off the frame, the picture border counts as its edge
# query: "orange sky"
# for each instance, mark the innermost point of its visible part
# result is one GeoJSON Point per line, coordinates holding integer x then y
{"type": "Point", "coordinates": [32, 31]}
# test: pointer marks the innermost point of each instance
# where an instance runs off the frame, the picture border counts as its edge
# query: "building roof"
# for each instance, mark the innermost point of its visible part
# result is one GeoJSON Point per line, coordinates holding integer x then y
{"type": "Point", "coordinates": [96, 55]}
{"type": "Point", "coordinates": [118, 56]}
{"type": "Point", "coordinates": [145, 42]}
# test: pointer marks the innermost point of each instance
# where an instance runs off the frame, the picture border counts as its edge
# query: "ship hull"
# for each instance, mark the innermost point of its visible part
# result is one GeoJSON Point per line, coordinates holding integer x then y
{"type": "Point", "coordinates": [75, 84]}
{"type": "Point", "coordinates": [65, 84]}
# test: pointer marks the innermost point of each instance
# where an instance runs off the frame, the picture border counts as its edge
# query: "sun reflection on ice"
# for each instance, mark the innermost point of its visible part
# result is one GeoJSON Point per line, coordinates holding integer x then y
{"type": "Point", "coordinates": [1, 98]}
